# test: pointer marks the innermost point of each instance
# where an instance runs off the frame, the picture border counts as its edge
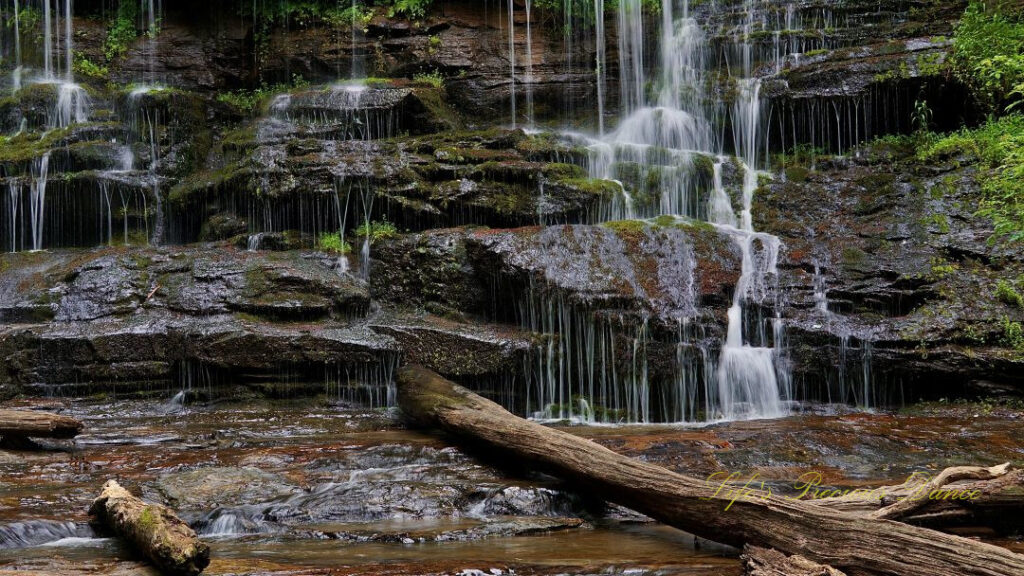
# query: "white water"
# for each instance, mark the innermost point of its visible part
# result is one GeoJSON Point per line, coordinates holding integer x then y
{"type": "Point", "coordinates": [37, 202]}
{"type": "Point", "coordinates": [16, 74]}
{"type": "Point", "coordinates": [666, 134]}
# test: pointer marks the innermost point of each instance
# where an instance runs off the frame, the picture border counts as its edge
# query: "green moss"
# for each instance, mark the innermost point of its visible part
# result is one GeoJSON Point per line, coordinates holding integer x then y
{"type": "Point", "coordinates": [559, 171]}
{"type": "Point", "coordinates": [704, 166]}
{"type": "Point", "coordinates": [605, 189]}
{"type": "Point", "coordinates": [148, 520]}
{"type": "Point", "coordinates": [27, 146]}
{"type": "Point", "coordinates": [797, 174]}
{"type": "Point", "coordinates": [630, 230]}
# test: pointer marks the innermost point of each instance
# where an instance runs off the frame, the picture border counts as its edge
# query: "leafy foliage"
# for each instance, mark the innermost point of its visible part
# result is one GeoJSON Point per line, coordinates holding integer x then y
{"type": "Point", "coordinates": [85, 67]}
{"type": "Point", "coordinates": [1007, 293]}
{"type": "Point", "coordinates": [250, 101]}
{"type": "Point", "coordinates": [381, 230]}
{"type": "Point", "coordinates": [988, 53]}
{"type": "Point", "coordinates": [121, 32]}
{"type": "Point", "coordinates": [998, 145]}
{"type": "Point", "coordinates": [434, 79]}
{"type": "Point", "coordinates": [334, 243]}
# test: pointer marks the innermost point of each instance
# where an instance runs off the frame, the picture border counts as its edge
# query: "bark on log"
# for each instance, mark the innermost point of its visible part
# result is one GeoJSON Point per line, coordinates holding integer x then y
{"type": "Point", "coordinates": [848, 542]}
{"type": "Point", "coordinates": [154, 530]}
{"type": "Point", "coordinates": [998, 496]}
{"type": "Point", "coordinates": [33, 424]}
{"type": "Point", "coordinates": [768, 562]}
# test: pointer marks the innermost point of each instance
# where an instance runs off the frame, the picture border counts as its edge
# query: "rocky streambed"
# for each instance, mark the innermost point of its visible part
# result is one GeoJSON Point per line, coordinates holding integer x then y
{"type": "Point", "coordinates": [300, 487]}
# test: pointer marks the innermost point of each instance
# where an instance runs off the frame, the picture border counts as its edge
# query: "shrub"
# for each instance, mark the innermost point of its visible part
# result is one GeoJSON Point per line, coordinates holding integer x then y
{"type": "Point", "coordinates": [988, 53]}
{"type": "Point", "coordinates": [333, 242]}
{"type": "Point", "coordinates": [377, 231]}
{"type": "Point", "coordinates": [434, 79]}
{"type": "Point", "coordinates": [1006, 292]}
{"type": "Point", "coordinates": [121, 32]}
{"type": "Point", "coordinates": [1013, 334]}
{"type": "Point", "coordinates": [998, 145]}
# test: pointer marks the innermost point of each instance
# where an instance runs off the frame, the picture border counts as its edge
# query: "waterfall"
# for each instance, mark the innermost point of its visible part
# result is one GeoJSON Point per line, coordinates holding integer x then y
{"type": "Point", "coordinates": [748, 386]}
{"type": "Point", "coordinates": [14, 200]}
{"type": "Point", "coordinates": [356, 71]}
{"type": "Point", "coordinates": [16, 74]}
{"type": "Point", "coordinates": [631, 54]}
{"type": "Point", "coordinates": [150, 9]}
{"type": "Point", "coordinates": [599, 71]}
{"type": "Point", "coordinates": [512, 57]}
{"type": "Point", "coordinates": [72, 105]}
{"type": "Point", "coordinates": [37, 202]}
{"type": "Point", "coordinates": [666, 133]}
{"type": "Point", "coordinates": [47, 40]}
{"type": "Point", "coordinates": [529, 65]}
{"type": "Point", "coordinates": [69, 51]}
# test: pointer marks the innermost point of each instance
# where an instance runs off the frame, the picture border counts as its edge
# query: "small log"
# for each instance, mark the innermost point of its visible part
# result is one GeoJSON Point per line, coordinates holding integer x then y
{"type": "Point", "coordinates": [154, 530]}
{"type": "Point", "coordinates": [33, 424]}
{"type": "Point", "coordinates": [767, 562]}
{"type": "Point", "coordinates": [731, 515]}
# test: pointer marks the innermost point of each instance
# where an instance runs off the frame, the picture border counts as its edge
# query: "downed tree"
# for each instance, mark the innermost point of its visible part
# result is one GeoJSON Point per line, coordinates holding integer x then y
{"type": "Point", "coordinates": [152, 529]}
{"type": "Point", "coordinates": [998, 499]}
{"type": "Point", "coordinates": [731, 515]}
{"type": "Point", "coordinates": [33, 424]}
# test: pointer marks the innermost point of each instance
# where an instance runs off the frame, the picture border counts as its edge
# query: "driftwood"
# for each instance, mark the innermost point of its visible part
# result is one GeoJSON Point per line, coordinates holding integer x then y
{"type": "Point", "coordinates": [152, 529]}
{"type": "Point", "coordinates": [997, 498]}
{"type": "Point", "coordinates": [33, 424]}
{"type": "Point", "coordinates": [731, 515]}
{"type": "Point", "coordinates": [766, 562]}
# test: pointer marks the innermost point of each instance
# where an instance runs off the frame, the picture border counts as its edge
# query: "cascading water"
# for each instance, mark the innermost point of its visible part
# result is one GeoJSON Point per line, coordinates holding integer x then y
{"type": "Point", "coordinates": [669, 156]}
{"type": "Point", "coordinates": [37, 204]}
{"type": "Point", "coordinates": [512, 57]}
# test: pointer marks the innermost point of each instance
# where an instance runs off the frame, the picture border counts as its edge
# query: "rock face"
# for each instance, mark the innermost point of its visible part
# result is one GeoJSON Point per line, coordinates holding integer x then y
{"type": "Point", "coordinates": [480, 245]}
{"type": "Point", "coordinates": [886, 250]}
{"type": "Point", "coordinates": [199, 317]}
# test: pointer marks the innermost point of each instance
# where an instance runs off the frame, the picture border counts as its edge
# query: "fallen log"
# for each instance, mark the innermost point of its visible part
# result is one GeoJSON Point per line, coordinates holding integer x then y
{"type": "Point", "coordinates": [766, 562]}
{"type": "Point", "coordinates": [731, 515]}
{"type": "Point", "coordinates": [154, 530]}
{"type": "Point", "coordinates": [997, 499]}
{"type": "Point", "coordinates": [33, 424]}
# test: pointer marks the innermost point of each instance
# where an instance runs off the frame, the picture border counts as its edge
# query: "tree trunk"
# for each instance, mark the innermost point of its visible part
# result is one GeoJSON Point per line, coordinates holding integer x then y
{"type": "Point", "coordinates": [33, 424]}
{"type": "Point", "coordinates": [849, 542]}
{"type": "Point", "coordinates": [153, 530]}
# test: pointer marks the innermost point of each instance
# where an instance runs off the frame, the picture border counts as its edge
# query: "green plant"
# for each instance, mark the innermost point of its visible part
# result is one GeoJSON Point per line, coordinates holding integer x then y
{"type": "Point", "coordinates": [1007, 293]}
{"type": "Point", "coordinates": [380, 230]}
{"type": "Point", "coordinates": [922, 116]}
{"type": "Point", "coordinates": [409, 8]}
{"type": "Point", "coordinates": [333, 242]}
{"type": "Point", "coordinates": [434, 79]}
{"type": "Point", "coordinates": [121, 32]}
{"type": "Point", "coordinates": [988, 52]}
{"type": "Point", "coordinates": [85, 67]}
{"type": "Point", "coordinates": [249, 101]}
{"type": "Point", "coordinates": [999, 146]}
{"type": "Point", "coordinates": [1013, 334]}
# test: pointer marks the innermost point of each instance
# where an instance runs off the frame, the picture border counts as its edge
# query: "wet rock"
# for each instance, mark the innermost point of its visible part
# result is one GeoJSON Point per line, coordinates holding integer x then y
{"type": "Point", "coordinates": [673, 269]}
{"type": "Point", "coordinates": [903, 263]}
{"type": "Point", "coordinates": [206, 488]}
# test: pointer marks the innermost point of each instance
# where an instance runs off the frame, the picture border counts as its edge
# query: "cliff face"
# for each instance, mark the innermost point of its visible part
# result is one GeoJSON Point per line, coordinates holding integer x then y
{"type": "Point", "coordinates": [483, 251]}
